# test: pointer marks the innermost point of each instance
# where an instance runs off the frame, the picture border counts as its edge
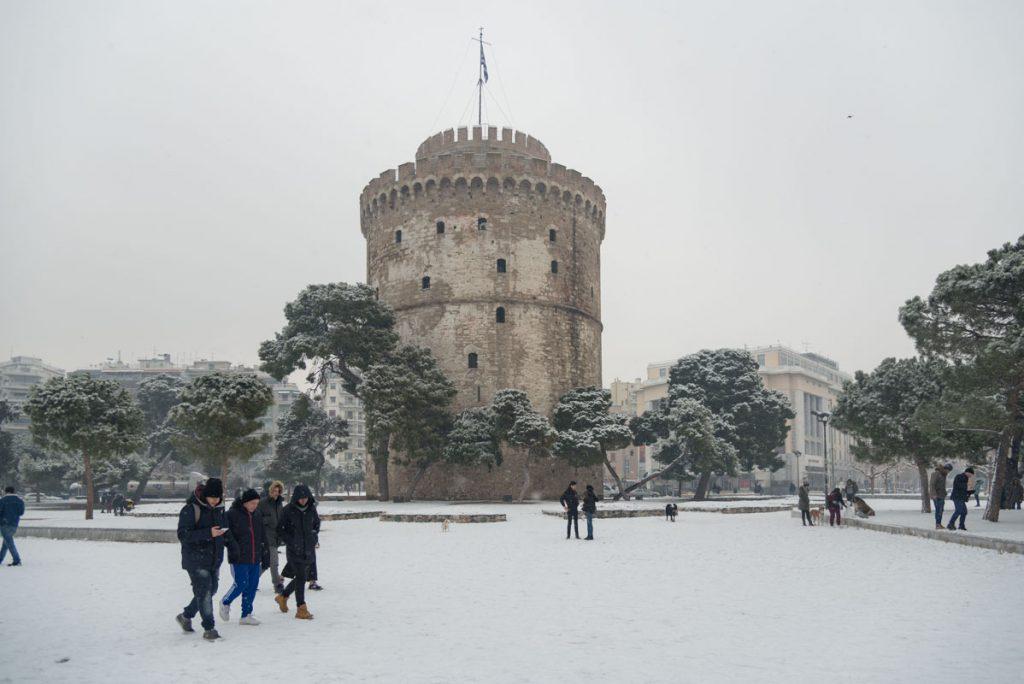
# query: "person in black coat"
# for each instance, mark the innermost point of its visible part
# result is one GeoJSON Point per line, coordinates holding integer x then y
{"type": "Point", "coordinates": [959, 496]}
{"type": "Point", "coordinates": [202, 528]}
{"type": "Point", "coordinates": [589, 509]}
{"type": "Point", "coordinates": [247, 551]}
{"type": "Point", "coordinates": [570, 504]}
{"type": "Point", "coordinates": [299, 529]}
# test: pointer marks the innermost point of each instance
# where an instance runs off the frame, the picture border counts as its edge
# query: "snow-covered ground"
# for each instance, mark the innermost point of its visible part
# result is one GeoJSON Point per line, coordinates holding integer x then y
{"type": "Point", "coordinates": [716, 598]}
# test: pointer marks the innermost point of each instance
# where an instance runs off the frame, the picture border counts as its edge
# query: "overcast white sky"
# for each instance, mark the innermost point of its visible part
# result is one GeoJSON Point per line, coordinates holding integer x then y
{"type": "Point", "coordinates": [171, 173]}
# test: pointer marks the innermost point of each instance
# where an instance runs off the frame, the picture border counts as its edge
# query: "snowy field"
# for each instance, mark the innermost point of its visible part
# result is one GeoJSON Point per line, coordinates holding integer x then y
{"type": "Point", "coordinates": [716, 598]}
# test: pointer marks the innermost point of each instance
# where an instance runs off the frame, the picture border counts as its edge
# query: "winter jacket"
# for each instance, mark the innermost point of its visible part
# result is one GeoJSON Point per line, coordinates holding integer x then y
{"type": "Point", "coordinates": [270, 511]}
{"type": "Point", "coordinates": [199, 549]}
{"type": "Point", "coordinates": [248, 543]}
{"type": "Point", "coordinates": [960, 491]}
{"type": "Point", "coordinates": [589, 502]}
{"type": "Point", "coordinates": [570, 499]}
{"type": "Point", "coordinates": [299, 527]}
{"type": "Point", "coordinates": [834, 500]}
{"type": "Point", "coordinates": [11, 510]}
{"type": "Point", "coordinates": [937, 484]}
{"type": "Point", "coordinates": [850, 490]}
{"type": "Point", "coordinates": [805, 499]}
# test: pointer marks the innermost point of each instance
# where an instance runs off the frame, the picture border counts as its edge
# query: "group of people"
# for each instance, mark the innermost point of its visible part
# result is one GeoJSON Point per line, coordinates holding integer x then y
{"type": "Point", "coordinates": [571, 505]}
{"type": "Point", "coordinates": [964, 485]}
{"type": "Point", "coordinates": [834, 503]}
{"type": "Point", "coordinates": [113, 501]}
{"type": "Point", "coordinates": [251, 531]}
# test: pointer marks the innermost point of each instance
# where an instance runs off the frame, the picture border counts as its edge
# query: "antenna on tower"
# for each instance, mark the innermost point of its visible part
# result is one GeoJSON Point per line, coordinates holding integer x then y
{"type": "Point", "coordinates": [481, 79]}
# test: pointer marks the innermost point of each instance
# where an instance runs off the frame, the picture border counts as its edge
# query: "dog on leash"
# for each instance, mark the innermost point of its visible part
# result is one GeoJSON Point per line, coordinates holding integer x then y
{"type": "Point", "coordinates": [816, 515]}
{"type": "Point", "coordinates": [444, 524]}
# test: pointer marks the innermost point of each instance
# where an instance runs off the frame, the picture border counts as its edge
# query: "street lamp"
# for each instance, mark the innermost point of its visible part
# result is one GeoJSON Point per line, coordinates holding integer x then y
{"type": "Point", "coordinates": [824, 417]}
{"type": "Point", "coordinates": [797, 481]}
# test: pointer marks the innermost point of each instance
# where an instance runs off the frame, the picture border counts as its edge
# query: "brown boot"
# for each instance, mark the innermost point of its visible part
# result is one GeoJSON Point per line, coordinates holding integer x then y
{"type": "Point", "coordinates": [301, 613]}
{"type": "Point", "coordinates": [282, 602]}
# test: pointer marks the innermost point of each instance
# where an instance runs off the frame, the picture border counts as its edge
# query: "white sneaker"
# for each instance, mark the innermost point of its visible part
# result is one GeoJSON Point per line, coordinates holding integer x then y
{"type": "Point", "coordinates": [248, 620]}
{"type": "Point", "coordinates": [225, 612]}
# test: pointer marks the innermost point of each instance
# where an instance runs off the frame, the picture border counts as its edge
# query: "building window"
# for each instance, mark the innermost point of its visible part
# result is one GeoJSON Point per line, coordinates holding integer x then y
{"type": "Point", "coordinates": [440, 227]}
{"type": "Point", "coordinates": [472, 360]}
{"type": "Point", "coordinates": [334, 385]}
{"type": "Point", "coordinates": [661, 372]}
{"type": "Point", "coordinates": [552, 235]}
{"type": "Point", "coordinates": [481, 223]}
{"type": "Point", "coordinates": [760, 360]}
{"type": "Point", "coordinates": [334, 399]}
{"type": "Point", "coordinates": [499, 314]}
{"type": "Point", "coordinates": [554, 267]}
{"type": "Point", "coordinates": [348, 414]}
{"type": "Point", "coordinates": [332, 412]}
{"type": "Point", "coordinates": [398, 236]}
{"type": "Point", "coordinates": [501, 266]}
{"type": "Point", "coordinates": [425, 283]}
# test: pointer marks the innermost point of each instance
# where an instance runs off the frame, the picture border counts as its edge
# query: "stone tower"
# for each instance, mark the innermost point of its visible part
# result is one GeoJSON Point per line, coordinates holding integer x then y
{"type": "Point", "coordinates": [489, 254]}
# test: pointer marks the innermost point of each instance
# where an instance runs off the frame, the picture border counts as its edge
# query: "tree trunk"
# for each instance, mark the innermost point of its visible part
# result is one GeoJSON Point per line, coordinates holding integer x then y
{"type": "Point", "coordinates": [1012, 471]}
{"type": "Point", "coordinates": [922, 474]}
{"type": "Point", "coordinates": [224, 473]}
{"type": "Point", "coordinates": [702, 487]}
{"type": "Point", "coordinates": [381, 466]}
{"type": "Point", "coordinates": [615, 476]}
{"type": "Point", "coordinates": [416, 480]}
{"type": "Point", "coordinates": [89, 498]}
{"type": "Point", "coordinates": [679, 490]}
{"type": "Point", "coordinates": [140, 489]}
{"type": "Point", "coordinates": [526, 480]}
{"type": "Point", "coordinates": [999, 479]}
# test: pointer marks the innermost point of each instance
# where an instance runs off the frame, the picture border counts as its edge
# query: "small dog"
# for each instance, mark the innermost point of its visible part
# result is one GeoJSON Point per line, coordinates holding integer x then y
{"type": "Point", "coordinates": [444, 524]}
{"type": "Point", "coordinates": [815, 515]}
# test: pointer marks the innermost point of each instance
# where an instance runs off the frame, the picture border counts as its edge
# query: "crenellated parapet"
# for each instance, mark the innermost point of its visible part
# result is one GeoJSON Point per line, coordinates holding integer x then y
{"type": "Point", "coordinates": [452, 161]}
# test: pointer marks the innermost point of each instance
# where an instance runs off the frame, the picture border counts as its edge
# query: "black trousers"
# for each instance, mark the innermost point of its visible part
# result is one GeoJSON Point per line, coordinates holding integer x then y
{"type": "Point", "coordinates": [805, 517]}
{"type": "Point", "coordinates": [298, 583]}
{"type": "Point", "coordinates": [572, 520]}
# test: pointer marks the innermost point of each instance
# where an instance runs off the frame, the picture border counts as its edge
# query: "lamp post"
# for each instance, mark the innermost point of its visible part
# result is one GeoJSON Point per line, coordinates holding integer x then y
{"type": "Point", "coordinates": [796, 480]}
{"type": "Point", "coordinates": [824, 417]}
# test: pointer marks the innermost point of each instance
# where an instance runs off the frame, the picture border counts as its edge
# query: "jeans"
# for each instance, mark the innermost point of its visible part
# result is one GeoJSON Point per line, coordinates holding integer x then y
{"type": "Point", "coordinates": [590, 524]}
{"type": "Point", "coordinates": [204, 586]}
{"type": "Point", "coordinates": [961, 512]}
{"type": "Point", "coordinates": [8, 534]}
{"type": "Point", "coordinates": [298, 583]}
{"type": "Point", "coordinates": [805, 518]}
{"type": "Point", "coordinates": [939, 505]}
{"type": "Point", "coordinates": [247, 580]}
{"type": "Point", "coordinates": [572, 517]}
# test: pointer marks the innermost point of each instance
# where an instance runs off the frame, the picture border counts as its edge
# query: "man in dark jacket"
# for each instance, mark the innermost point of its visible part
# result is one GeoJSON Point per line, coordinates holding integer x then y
{"type": "Point", "coordinates": [589, 509]}
{"type": "Point", "coordinates": [11, 510]}
{"type": "Point", "coordinates": [201, 531]}
{"type": "Point", "coordinates": [270, 511]}
{"type": "Point", "coordinates": [960, 495]}
{"type": "Point", "coordinates": [937, 491]}
{"type": "Point", "coordinates": [299, 529]}
{"type": "Point", "coordinates": [570, 504]}
{"type": "Point", "coordinates": [247, 551]}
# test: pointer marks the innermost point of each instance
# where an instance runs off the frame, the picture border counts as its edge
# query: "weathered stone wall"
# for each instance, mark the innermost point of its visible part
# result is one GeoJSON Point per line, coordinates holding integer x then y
{"type": "Point", "coordinates": [497, 198]}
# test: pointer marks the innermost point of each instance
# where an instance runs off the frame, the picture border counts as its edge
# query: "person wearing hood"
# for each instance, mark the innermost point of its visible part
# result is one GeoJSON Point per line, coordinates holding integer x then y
{"type": "Point", "coordinates": [247, 550]}
{"type": "Point", "coordinates": [804, 504]}
{"type": "Point", "coordinates": [202, 529]}
{"type": "Point", "coordinates": [299, 529]}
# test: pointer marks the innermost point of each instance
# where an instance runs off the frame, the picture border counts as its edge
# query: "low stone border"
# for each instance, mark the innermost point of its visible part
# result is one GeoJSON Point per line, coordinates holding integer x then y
{"type": "Point", "coordinates": [153, 515]}
{"type": "Point", "coordinates": [351, 516]}
{"type": "Point", "coordinates": [1000, 545]}
{"type": "Point", "coordinates": [617, 513]}
{"type": "Point", "coordinates": [458, 518]}
{"type": "Point", "coordinates": [100, 534]}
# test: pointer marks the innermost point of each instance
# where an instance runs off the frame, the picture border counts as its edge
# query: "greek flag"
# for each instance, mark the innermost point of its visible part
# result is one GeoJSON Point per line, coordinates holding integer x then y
{"type": "Point", "coordinates": [483, 63]}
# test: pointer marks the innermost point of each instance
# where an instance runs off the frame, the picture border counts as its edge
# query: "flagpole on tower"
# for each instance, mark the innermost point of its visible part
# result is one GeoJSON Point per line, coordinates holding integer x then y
{"type": "Point", "coordinates": [481, 79]}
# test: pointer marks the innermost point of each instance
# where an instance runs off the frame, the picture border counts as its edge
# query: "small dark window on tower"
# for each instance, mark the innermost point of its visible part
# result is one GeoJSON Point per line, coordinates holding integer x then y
{"type": "Point", "coordinates": [398, 236]}
{"type": "Point", "coordinates": [481, 223]}
{"type": "Point", "coordinates": [552, 235]}
{"type": "Point", "coordinates": [554, 267]}
{"type": "Point", "coordinates": [472, 360]}
{"type": "Point", "coordinates": [499, 314]}
{"type": "Point", "coordinates": [501, 265]}
{"type": "Point", "coordinates": [440, 227]}
{"type": "Point", "coordinates": [426, 282]}
{"type": "Point", "coordinates": [591, 293]}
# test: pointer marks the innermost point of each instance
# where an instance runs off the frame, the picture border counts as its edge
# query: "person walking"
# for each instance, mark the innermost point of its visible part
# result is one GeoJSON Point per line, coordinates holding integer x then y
{"type": "Point", "coordinates": [570, 504]}
{"type": "Point", "coordinates": [247, 550]}
{"type": "Point", "coordinates": [12, 507]}
{"type": "Point", "coordinates": [834, 502]}
{"type": "Point", "coordinates": [299, 529]}
{"type": "Point", "coordinates": [804, 504]}
{"type": "Point", "coordinates": [270, 511]}
{"type": "Point", "coordinates": [960, 494]}
{"type": "Point", "coordinates": [850, 490]}
{"type": "Point", "coordinates": [118, 504]}
{"type": "Point", "coordinates": [589, 509]}
{"type": "Point", "coordinates": [937, 491]}
{"type": "Point", "coordinates": [201, 531]}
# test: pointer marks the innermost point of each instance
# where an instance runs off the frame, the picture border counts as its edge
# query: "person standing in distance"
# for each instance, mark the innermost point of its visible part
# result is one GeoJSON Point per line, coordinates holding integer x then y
{"type": "Point", "coordinates": [571, 504]}
{"type": "Point", "coordinates": [589, 509]}
{"type": "Point", "coordinates": [11, 509]}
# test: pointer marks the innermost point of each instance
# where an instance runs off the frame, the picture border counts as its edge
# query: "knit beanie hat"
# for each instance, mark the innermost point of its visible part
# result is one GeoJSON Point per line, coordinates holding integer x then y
{"type": "Point", "coordinates": [249, 495]}
{"type": "Point", "coordinates": [214, 487]}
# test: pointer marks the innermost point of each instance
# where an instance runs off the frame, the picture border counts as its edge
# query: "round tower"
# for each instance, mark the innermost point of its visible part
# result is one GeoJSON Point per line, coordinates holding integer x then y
{"type": "Point", "coordinates": [489, 254]}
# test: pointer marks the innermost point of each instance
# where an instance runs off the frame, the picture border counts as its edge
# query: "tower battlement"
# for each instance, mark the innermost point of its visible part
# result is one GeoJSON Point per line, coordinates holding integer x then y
{"type": "Point", "coordinates": [484, 139]}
